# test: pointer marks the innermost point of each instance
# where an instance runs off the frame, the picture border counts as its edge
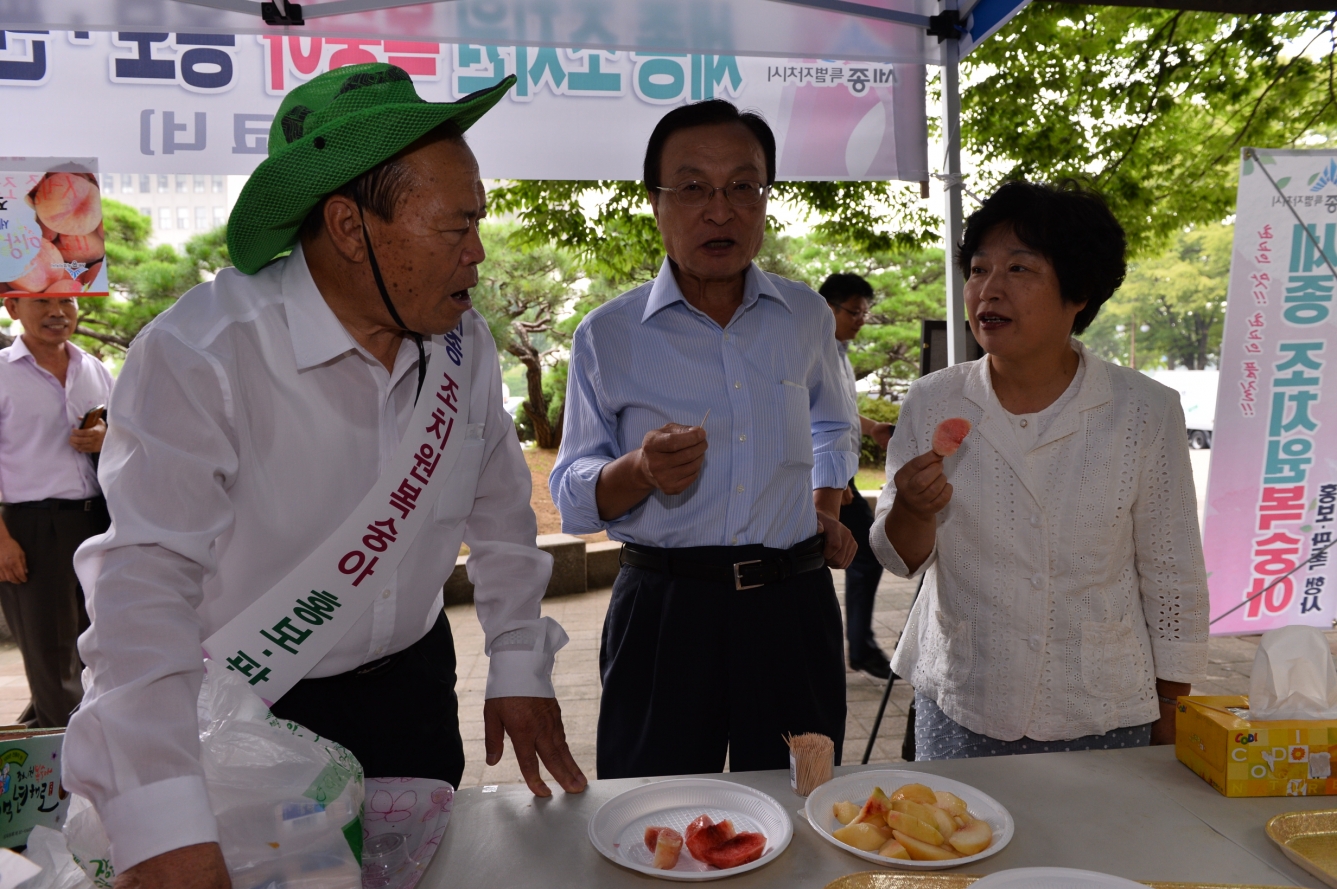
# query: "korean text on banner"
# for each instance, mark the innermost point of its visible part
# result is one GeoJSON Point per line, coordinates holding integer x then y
{"type": "Point", "coordinates": [1272, 494]}
{"type": "Point", "coordinates": [203, 103]}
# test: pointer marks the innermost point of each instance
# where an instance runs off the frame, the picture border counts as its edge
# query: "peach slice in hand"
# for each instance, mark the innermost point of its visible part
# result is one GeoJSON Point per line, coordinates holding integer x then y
{"type": "Point", "coordinates": [948, 436]}
{"type": "Point", "coordinates": [68, 204]}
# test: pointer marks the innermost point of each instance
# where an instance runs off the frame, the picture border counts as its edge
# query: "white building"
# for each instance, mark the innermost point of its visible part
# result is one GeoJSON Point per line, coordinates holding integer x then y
{"type": "Point", "coordinates": [181, 205]}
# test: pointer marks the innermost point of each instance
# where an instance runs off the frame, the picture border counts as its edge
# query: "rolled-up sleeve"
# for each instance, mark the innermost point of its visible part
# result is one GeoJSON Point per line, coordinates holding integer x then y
{"type": "Point", "coordinates": [903, 447]}
{"type": "Point", "coordinates": [133, 746]}
{"type": "Point", "coordinates": [589, 443]}
{"type": "Point", "coordinates": [508, 570]}
{"type": "Point", "coordinates": [835, 434]}
{"type": "Point", "coordinates": [1172, 576]}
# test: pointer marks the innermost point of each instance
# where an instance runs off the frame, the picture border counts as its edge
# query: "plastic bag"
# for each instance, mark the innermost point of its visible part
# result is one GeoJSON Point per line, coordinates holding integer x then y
{"type": "Point", "coordinates": [46, 848]}
{"type": "Point", "coordinates": [288, 802]}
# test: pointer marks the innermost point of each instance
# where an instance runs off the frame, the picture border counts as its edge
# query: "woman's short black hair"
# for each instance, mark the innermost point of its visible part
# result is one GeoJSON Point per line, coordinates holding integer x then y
{"type": "Point", "coordinates": [845, 285]}
{"type": "Point", "coordinates": [704, 114]}
{"type": "Point", "coordinates": [1070, 225]}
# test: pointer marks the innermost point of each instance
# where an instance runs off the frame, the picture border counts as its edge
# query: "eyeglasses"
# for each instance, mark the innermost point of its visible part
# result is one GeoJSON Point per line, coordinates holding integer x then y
{"type": "Point", "coordinates": [853, 314]}
{"type": "Point", "coordinates": [739, 193]}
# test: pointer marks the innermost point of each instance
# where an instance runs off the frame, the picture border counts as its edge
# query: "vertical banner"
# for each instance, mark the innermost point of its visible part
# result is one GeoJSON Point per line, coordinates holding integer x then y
{"type": "Point", "coordinates": [51, 234]}
{"type": "Point", "coordinates": [1272, 494]}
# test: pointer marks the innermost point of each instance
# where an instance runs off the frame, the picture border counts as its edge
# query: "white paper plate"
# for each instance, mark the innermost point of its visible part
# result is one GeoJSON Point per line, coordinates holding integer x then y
{"type": "Point", "coordinates": [1054, 878]}
{"type": "Point", "coordinates": [856, 788]}
{"type": "Point", "coordinates": [618, 828]}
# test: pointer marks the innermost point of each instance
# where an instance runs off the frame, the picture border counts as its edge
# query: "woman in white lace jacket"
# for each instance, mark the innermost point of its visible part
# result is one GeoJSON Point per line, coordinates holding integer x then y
{"type": "Point", "coordinates": [1064, 603]}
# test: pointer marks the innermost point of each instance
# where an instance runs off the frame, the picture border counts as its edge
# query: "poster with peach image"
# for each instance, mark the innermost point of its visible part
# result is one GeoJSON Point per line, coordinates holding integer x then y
{"type": "Point", "coordinates": [51, 233]}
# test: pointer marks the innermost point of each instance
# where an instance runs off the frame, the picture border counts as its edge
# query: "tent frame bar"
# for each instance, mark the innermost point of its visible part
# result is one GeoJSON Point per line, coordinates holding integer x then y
{"type": "Point", "coordinates": [346, 7]}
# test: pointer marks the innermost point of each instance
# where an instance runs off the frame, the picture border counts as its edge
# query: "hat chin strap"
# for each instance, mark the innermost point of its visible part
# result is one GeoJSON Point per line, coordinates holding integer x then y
{"type": "Point", "coordinates": [385, 296]}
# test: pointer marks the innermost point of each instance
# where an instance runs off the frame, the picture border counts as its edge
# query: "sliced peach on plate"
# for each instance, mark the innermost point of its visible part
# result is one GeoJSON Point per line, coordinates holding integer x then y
{"type": "Point", "coordinates": [950, 803]}
{"type": "Point", "coordinates": [972, 839]}
{"type": "Point", "coordinates": [876, 804]}
{"type": "Point", "coordinates": [863, 837]}
{"type": "Point", "coordinates": [928, 814]}
{"type": "Point", "coordinates": [912, 826]}
{"type": "Point", "coordinates": [917, 792]}
{"type": "Point", "coordinates": [845, 812]}
{"type": "Point", "coordinates": [921, 851]}
{"type": "Point", "coordinates": [893, 849]}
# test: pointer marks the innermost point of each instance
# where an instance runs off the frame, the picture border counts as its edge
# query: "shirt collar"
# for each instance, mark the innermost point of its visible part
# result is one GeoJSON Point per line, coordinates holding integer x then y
{"type": "Point", "coordinates": [317, 334]}
{"type": "Point", "coordinates": [664, 292]}
{"type": "Point", "coordinates": [1094, 391]}
{"type": "Point", "coordinates": [19, 349]}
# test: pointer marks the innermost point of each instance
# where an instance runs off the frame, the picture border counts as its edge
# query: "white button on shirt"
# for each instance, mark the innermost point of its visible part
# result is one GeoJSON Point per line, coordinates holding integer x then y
{"type": "Point", "coordinates": [37, 415]}
{"type": "Point", "coordinates": [246, 426]}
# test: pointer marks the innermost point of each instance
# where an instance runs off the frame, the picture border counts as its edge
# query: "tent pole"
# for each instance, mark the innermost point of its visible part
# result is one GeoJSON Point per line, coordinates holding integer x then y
{"type": "Point", "coordinates": [951, 180]}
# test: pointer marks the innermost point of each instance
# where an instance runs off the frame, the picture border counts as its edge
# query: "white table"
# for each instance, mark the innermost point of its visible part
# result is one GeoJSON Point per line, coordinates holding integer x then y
{"type": "Point", "coordinates": [1139, 814]}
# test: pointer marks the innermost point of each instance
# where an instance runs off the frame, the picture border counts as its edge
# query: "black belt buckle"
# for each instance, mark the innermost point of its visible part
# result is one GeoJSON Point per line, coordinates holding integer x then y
{"type": "Point", "coordinates": [738, 576]}
{"type": "Point", "coordinates": [88, 506]}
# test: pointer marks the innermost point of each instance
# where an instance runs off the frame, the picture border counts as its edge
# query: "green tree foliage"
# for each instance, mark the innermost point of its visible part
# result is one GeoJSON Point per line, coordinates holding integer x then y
{"type": "Point", "coordinates": [1179, 297]}
{"type": "Point", "coordinates": [1152, 106]}
{"type": "Point", "coordinates": [144, 280]}
{"type": "Point", "coordinates": [524, 293]}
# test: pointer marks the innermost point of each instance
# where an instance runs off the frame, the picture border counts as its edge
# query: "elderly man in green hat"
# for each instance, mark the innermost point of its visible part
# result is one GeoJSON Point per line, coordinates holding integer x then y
{"type": "Point", "coordinates": [298, 448]}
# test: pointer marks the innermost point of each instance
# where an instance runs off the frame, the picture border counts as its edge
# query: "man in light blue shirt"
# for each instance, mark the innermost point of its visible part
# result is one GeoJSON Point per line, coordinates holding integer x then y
{"type": "Point", "coordinates": [708, 429]}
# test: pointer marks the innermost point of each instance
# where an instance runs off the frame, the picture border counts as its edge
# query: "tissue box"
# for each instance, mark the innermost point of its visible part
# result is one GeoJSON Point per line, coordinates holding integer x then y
{"type": "Point", "coordinates": [1288, 757]}
{"type": "Point", "coordinates": [30, 788]}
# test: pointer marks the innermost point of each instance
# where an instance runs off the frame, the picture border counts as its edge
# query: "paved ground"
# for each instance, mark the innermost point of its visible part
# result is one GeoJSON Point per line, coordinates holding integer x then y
{"type": "Point", "coordinates": [576, 676]}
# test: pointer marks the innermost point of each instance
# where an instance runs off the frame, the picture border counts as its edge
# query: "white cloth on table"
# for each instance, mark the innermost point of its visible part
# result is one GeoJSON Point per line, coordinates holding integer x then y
{"type": "Point", "coordinates": [1065, 577]}
{"type": "Point", "coordinates": [37, 415]}
{"type": "Point", "coordinates": [246, 426]}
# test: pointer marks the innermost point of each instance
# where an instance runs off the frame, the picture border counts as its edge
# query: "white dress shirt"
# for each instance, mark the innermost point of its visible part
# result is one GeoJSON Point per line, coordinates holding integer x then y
{"type": "Point", "coordinates": [37, 415]}
{"type": "Point", "coordinates": [1067, 573]}
{"type": "Point", "coordinates": [247, 424]}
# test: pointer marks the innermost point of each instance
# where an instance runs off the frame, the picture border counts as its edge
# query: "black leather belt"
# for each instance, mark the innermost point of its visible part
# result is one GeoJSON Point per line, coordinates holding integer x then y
{"type": "Point", "coordinates": [53, 504]}
{"type": "Point", "coordinates": [746, 567]}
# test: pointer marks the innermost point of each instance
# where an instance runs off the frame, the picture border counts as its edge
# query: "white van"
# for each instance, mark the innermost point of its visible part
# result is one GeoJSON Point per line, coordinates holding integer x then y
{"type": "Point", "coordinates": [1197, 393]}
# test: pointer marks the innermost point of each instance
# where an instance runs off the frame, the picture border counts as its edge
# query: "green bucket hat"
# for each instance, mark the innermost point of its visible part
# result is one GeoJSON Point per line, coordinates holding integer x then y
{"type": "Point", "coordinates": [328, 132]}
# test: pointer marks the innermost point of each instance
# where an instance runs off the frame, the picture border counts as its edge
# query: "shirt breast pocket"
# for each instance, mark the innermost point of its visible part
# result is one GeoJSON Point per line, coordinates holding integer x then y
{"type": "Point", "coordinates": [456, 498]}
{"type": "Point", "coordinates": [796, 428]}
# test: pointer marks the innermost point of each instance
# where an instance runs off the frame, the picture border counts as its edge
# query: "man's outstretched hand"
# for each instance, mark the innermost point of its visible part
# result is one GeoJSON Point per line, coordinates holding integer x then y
{"type": "Point", "coordinates": [535, 727]}
{"type": "Point", "coordinates": [190, 867]}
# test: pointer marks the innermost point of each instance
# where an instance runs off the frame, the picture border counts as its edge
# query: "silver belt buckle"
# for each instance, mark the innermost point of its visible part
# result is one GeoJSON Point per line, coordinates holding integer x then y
{"type": "Point", "coordinates": [738, 578]}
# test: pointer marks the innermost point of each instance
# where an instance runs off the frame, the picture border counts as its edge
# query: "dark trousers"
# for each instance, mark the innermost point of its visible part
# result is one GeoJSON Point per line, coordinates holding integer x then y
{"type": "Point", "coordinates": [861, 580]}
{"type": "Point", "coordinates": [694, 669]}
{"type": "Point", "coordinates": [47, 614]}
{"type": "Point", "coordinates": [399, 716]}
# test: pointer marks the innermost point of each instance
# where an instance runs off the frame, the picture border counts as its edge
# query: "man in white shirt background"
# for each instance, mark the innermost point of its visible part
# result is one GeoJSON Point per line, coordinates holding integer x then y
{"type": "Point", "coordinates": [251, 420]}
{"type": "Point", "coordinates": [51, 499]}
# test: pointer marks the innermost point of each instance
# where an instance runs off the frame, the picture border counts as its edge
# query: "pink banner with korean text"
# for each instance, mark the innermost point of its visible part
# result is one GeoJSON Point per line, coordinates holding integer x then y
{"type": "Point", "coordinates": [1272, 494]}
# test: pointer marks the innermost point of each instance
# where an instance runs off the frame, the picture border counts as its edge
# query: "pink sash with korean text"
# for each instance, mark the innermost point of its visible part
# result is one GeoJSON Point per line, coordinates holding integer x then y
{"type": "Point", "coordinates": [281, 636]}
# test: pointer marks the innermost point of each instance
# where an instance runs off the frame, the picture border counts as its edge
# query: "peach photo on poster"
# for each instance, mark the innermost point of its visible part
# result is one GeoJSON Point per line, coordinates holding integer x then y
{"type": "Point", "coordinates": [52, 238]}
